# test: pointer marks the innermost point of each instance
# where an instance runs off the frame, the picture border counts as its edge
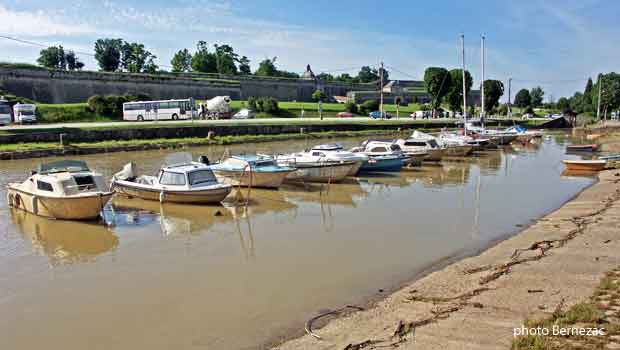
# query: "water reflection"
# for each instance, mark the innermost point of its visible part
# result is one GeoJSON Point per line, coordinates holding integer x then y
{"type": "Point", "coordinates": [345, 193]}
{"type": "Point", "coordinates": [64, 241]}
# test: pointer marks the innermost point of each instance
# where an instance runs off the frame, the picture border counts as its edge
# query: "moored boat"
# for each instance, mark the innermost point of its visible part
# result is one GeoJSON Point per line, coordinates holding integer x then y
{"type": "Point", "coordinates": [585, 165]}
{"type": "Point", "coordinates": [251, 170]}
{"type": "Point", "coordinates": [582, 148]}
{"type": "Point", "coordinates": [192, 183]}
{"type": "Point", "coordinates": [315, 169]}
{"type": "Point", "coordinates": [336, 152]}
{"type": "Point", "coordinates": [418, 143]}
{"type": "Point", "coordinates": [65, 189]}
{"type": "Point", "coordinates": [382, 156]}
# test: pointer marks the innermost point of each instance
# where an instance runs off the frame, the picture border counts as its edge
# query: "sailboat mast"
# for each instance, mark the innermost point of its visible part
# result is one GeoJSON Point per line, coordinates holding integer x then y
{"type": "Point", "coordinates": [482, 59]}
{"type": "Point", "coordinates": [464, 84]}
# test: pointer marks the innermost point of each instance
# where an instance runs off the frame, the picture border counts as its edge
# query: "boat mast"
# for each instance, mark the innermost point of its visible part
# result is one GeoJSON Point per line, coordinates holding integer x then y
{"type": "Point", "coordinates": [482, 59]}
{"type": "Point", "coordinates": [381, 89]}
{"type": "Point", "coordinates": [464, 84]}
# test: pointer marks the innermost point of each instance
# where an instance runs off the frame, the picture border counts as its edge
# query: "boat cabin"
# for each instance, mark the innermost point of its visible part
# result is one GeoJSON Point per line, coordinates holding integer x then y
{"type": "Point", "coordinates": [64, 178]}
{"type": "Point", "coordinates": [186, 175]}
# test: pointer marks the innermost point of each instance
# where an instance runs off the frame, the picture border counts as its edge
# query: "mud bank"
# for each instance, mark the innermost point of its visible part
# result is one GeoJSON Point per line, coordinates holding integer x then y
{"type": "Point", "coordinates": [477, 302]}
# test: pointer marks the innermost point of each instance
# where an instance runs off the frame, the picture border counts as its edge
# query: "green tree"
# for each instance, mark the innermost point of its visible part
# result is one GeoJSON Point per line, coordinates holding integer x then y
{"type": "Point", "coordinates": [267, 68]}
{"type": "Point", "coordinates": [181, 61]}
{"type": "Point", "coordinates": [346, 78]}
{"type": "Point", "coordinates": [244, 66]}
{"type": "Point", "coordinates": [493, 91]}
{"type": "Point", "coordinates": [563, 104]}
{"type": "Point", "coordinates": [351, 107]}
{"type": "Point", "coordinates": [135, 58]}
{"type": "Point", "coordinates": [455, 95]}
{"type": "Point", "coordinates": [369, 75]}
{"type": "Point", "coordinates": [318, 95]}
{"type": "Point", "coordinates": [438, 83]}
{"type": "Point", "coordinates": [523, 99]}
{"type": "Point", "coordinates": [536, 96]}
{"type": "Point", "coordinates": [587, 97]}
{"type": "Point", "coordinates": [108, 54]}
{"type": "Point", "coordinates": [203, 61]}
{"type": "Point", "coordinates": [225, 57]}
{"type": "Point", "coordinates": [610, 92]}
{"type": "Point", "coordinates": [73, 63]}
{"type": "Point", "coordinates": [325, 77]}
{"type": "Point", "coordinates": [576, 103]}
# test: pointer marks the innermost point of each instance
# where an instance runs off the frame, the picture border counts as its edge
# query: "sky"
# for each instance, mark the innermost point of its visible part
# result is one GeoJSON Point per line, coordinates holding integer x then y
{"type": "Point", "coordinates": [554, 44]}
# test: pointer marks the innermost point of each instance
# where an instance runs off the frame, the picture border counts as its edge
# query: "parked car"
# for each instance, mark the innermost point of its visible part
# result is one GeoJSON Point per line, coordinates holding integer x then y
{"type": "Point", "coordinates": [244, 114]}
{"type": "Point", "coordinates": [344, 115]}
{"type": "Point", "coordinates": [377, 115]}
{"type": "Point", "coordinates": [527, 116]}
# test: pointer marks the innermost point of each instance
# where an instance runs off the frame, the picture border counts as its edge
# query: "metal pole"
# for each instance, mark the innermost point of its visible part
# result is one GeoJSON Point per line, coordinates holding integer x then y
{"type": "Point", "coordinates": [509, 98]}
{"type": "Point", "coordinates": [482, 87]}
{"type": "Point", "coordinates": [464, 83]}
{"type": "Point", "coordinates": [381, 90]}
{"type": "Point", "coordinates": [598, 107]}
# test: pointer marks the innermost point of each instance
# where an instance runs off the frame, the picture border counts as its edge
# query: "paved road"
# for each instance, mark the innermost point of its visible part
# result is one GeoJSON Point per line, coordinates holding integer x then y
{"type": "Point", "coordinates": [198, 122]}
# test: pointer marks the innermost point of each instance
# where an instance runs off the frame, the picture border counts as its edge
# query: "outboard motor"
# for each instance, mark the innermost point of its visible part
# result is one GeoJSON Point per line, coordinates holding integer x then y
{"type": "Point", "coordinates": [204, 160]}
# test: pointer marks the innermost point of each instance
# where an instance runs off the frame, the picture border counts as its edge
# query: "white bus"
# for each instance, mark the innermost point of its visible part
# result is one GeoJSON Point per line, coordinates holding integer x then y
{"type": "Point", "coordinates": [159, 110]}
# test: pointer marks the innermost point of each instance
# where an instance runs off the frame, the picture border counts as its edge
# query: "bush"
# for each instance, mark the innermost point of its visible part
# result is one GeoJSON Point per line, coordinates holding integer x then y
{"type": "Point", "coordinates": [369, 106]}
{"type": "Point", "coordinates": [112, 105]}
{"type": "Point", "coordinates": [351, 107]}
{"type": "Point", "coordinates": [263, 104]}
{"type": "Point", "coordinates": [252, 104]}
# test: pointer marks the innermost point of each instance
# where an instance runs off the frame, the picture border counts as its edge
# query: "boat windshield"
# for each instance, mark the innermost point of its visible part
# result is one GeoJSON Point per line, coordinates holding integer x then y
{"type": "Point", "coordinates": [63, 166]}
{"type": "Point", "coordinates": [433, 143]}
{"type": "Point", "coordinates": [201, 176]}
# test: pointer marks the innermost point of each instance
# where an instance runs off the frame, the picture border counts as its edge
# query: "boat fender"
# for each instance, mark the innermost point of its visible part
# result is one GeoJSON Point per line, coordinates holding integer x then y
{"type": "Point", "coordinates": [35, 205]}
{"type": "Point", "coordinates": [161, 197]}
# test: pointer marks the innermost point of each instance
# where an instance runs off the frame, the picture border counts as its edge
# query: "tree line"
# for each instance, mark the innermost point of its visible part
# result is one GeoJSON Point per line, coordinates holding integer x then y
{"type": "Point", "coordinates": [447, 86]}
{"type": "Point", "coordinates": [118, 55]}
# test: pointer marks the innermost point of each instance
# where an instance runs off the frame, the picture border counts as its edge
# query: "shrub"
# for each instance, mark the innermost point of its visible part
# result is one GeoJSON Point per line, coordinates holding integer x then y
{"type": "Point", "coordinates": [351, 107]}
{"type": "Point", "coordinates": [252, 104]}
{"type": "Point", "coordinates": [270, 105]}
{"type": "Point", "coordinates": [369, 106]}
{"type": "Point", "coordinates": [112, 105]}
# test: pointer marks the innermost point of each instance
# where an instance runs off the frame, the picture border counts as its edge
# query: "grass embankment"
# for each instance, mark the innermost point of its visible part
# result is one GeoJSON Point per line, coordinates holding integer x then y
{"type": "Point", "coordinates": [600, 312]}
{"type": "Point", "coordinates": [195, 141]}
{"type": "Point", "coordinates": [79, 112]}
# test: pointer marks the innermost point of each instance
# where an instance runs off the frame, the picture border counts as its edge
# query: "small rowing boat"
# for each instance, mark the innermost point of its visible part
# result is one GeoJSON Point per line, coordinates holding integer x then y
{"type": "Point", "coordinates": [251, 170]}
{"type": "Point", "coordinates": [585, 165]}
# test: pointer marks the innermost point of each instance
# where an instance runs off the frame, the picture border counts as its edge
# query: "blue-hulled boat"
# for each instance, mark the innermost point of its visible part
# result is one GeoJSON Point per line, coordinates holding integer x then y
{"type": "Point", "coordinates": [382, 156]}
{"type": "Point", "coordinates": [251, 170]}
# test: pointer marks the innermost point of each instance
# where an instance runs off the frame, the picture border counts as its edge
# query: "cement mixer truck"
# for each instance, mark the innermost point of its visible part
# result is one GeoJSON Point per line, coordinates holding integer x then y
{"type": "Point", "coordinates": [216, 108]}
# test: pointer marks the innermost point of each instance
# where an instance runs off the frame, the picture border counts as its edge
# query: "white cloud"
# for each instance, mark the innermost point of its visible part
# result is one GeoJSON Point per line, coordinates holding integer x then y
{"type": "Point", "coordinates": [39, 24]}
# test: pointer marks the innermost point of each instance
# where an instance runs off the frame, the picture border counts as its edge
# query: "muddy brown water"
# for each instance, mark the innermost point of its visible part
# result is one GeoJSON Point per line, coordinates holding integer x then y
{"type": "Point", "coordinates": [175, 276]}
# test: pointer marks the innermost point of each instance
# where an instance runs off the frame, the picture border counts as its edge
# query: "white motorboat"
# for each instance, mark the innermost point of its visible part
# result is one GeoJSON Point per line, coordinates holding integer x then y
{"type": "Point", "coordinates": [65, 189]}
{"type": "Point", "coordinates": [251, 170]}
{"type": "Point", "coordinates": [425, 143]}
{"type": "Point", "coordinates": [184, 183]}
{"type": "Point", "coordinates": [382, 156]}
{"type": "Point", "coordinates": [454, 147]}
{"type": "Point", "coordinates": [314, 166]}
{"type": "Point", "coordinates": [336, 152]}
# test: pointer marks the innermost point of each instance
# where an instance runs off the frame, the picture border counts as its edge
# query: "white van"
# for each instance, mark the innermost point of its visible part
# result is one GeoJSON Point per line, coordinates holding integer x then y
{"type": "Point", "coordinates": [25, 113]}
{"type": "Point", "coordinates": [5, 112]}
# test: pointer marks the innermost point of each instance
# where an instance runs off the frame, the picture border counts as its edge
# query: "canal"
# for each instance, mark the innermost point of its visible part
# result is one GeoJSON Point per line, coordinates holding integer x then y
{"type": "Point", "coordinates": [235, 277]}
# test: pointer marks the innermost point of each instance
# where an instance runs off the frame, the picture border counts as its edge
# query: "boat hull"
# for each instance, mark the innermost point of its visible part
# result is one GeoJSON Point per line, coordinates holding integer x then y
{"type": "Point", "coordinates": [356, 168]}
{"type": "Point", "coordinates": [382, 165]}
{"type": "Point", "coordinates": [459, 151]}
{"type": "Point", "coordinates": [253, 179]}
{"type": "Point", "coordinates": [585, 165]}
{"type": "Point", "coordinates": [82, 207]}
{"type": "Point", "coordinates": [321, 173]}
{"type": "Point", "coordinates": [581, 148]}
{"type": "Point", "coordinates": [435, 155]}
{"type": "Point", "coordinates": [205, 196]}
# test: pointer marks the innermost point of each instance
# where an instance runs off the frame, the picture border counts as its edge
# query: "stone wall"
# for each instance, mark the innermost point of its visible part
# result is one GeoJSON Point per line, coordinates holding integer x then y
{"type": "Point", "coordinates": [48, 86]}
